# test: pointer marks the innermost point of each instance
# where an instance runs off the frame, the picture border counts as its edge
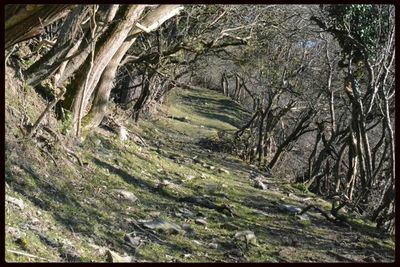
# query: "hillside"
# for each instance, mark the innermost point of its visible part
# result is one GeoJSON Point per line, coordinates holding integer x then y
{"type": "Point", "coordinates": [165, 198]}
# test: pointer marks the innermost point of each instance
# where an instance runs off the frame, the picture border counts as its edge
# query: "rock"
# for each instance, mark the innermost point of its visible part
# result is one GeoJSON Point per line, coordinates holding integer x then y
{"type": "Point", "coordinates": [16, 202]}
{"type": "Point", "coordinates": [229, 226]}
{"type": "Point", "coordinates": [303, 217]}
{"type": "Point", "coordinates": [154, 213]}
{"type": "Point", "coordinates": [213, 245]}
{"type": "Point", "coordinates": [164, 183]}
{"type": "Point", "coordinates": [289, 208]}
{"type": "Point", "coordinates": [197, 242]}
{"type": "Point", "coordinates": [190, 177]}
{"type": "Point", "coordinates": [126, 195]}
{"type": "Point", "coordinates": [114, 257]}
{"type": "Point", "coordinates": [247, 236]}
{"type": "Point", "coordinates": [211, 167]}
{"type": "Point", "coordinates": [123, 134]}
{"type": "Point", "coordinates": [260, 185]}
{"type": "Point", "coordinates": [178, 214]}
{"type": "Point", "coordinates": [223, 170]}
{"type": "Point", "coordinates": [185, 212]}
{"type": "Point", "coordinates": [14, 232]}
{"type": "Point", "coordinates": [132, 240]}
{"type": "Point", "coordinates": [163, 226]}
{"type": "Point", "coordinates": [200, 221]}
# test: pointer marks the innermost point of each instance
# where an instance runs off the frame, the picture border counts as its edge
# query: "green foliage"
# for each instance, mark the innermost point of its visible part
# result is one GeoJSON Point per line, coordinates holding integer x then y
{"type": "Point", "coordinates": [364, 23]}
{"type": "Point", "coordinates": [67, 122]}
{"type": "Point", "coordinates": [302, 187]}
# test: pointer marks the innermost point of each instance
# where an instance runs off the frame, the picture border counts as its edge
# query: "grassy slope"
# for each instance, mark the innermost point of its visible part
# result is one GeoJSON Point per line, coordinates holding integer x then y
{"type": "Point", "coordinates": [71, 211]}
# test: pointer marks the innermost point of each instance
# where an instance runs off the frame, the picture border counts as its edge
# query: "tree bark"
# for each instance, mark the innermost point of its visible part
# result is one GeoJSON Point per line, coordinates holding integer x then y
{"type": "Point", "coordinates": [104, 53]}
{"type": "Point", "coordinates": [73, 64]}
{"type": "Point", "coordinates": [48, 63]}
{"type": "Point", "coordinates": [26, 21]}
{"type": "Point", "coordinates": [152, 21]}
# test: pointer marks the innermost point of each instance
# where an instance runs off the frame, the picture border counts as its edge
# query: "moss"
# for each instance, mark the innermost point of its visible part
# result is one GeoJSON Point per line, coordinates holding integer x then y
{"type": "Point", "coordinates": [78, 204]}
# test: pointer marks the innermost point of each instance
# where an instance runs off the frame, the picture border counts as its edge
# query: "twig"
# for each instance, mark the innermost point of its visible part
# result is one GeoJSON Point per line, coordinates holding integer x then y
{"type": "Point", "coordinates": [317, 209]}
{"type": "Point", "coordinates": [9, 53]}
{"type": "Point", "coordinates": [58, 139]}
{"type": "Point", "coordinates": [28, 255]}
{"type": "Point", "coordinates": [69, 151]}
{"type": "Point", "coordinates": [48, 154]}
{"type": "Point", "coordinates": [48, 108]}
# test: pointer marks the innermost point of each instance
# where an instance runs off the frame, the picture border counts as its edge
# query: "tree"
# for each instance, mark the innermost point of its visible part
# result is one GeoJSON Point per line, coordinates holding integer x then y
{"type": "Point", "coordinates": [23, 22]}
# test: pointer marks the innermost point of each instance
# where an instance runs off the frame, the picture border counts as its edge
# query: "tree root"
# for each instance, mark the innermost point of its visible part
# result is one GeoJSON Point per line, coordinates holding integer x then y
{"type": "Point", "coordinates": [58, 139]}
{"type": "Point", "coordinates": [337, 220]}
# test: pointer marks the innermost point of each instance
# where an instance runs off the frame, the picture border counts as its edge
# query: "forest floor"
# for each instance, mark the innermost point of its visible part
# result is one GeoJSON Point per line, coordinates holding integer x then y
{"type": "Point", "coordinates": [164, 201]}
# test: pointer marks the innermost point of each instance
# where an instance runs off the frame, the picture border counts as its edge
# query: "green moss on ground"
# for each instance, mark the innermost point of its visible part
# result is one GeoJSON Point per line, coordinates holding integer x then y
{"type": "Point", "coordinates": [78, 210]}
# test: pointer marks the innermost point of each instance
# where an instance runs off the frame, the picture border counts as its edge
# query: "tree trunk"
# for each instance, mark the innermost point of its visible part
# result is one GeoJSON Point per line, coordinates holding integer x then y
{"type": "Point", "coordinates": [152, 21]}
{"type": "Point", "coordinates": [72, 65]}
{"type": "Point", "coordinates": [48, 63]}
{"type": "Point", "coordinates": [26, 21]}
{"type": "Point", "coordinates": [104, 52]}
{"type": "Point", "coordinates": [294, 135]}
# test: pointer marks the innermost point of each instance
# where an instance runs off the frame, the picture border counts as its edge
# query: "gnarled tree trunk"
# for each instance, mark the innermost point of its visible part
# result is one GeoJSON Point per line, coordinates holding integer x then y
{"type": "Point", "coordinates": [152, 21]}
{"type": "Point", "coordinates": [26, 21]}
{"type": "Point", "coordinates": [89, 74]}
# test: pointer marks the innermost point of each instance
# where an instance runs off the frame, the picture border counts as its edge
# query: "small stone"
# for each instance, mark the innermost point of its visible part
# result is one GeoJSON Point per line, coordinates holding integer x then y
{"type": "Point", "coordinates": [126, 195]}
{"type": "Point", "coordinates": [164, 183]}
{"type": "Point", "coordinates": [223, 170]}
{"type": "Point", "coordinates": [201, 221]}
{"type": "Point", "coordinates": [186, 212]}
{"type": "Point", "coordinates": [190, 177]}
{"type": "Point", "coordinates": [247, 235]}
{"type": "Point", "coordinates": [114, 257]}
{"type": "Point", "coordinates": [154, 213]}
{"type": "Point", "coordinates": [211, 167]}
{"type": "Point", "coordinates": [303, 217]}
{"type": "Point", "coordinates": [14, 232]}
{"type": "Point", "coordinates": [163, 226]}
{"type": "Point", "coordinates": [16, 201]}
{"type": "Point", "coordinates": [289, 208]}
{"type": "Point", "coordinates": [213, 245]}
{"type": "Point", "coordinates": [197, 242]}
{"type": "Point", "coordinates": [260, 185]}
{"type": "Point", "coordinates": [132, 240]}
